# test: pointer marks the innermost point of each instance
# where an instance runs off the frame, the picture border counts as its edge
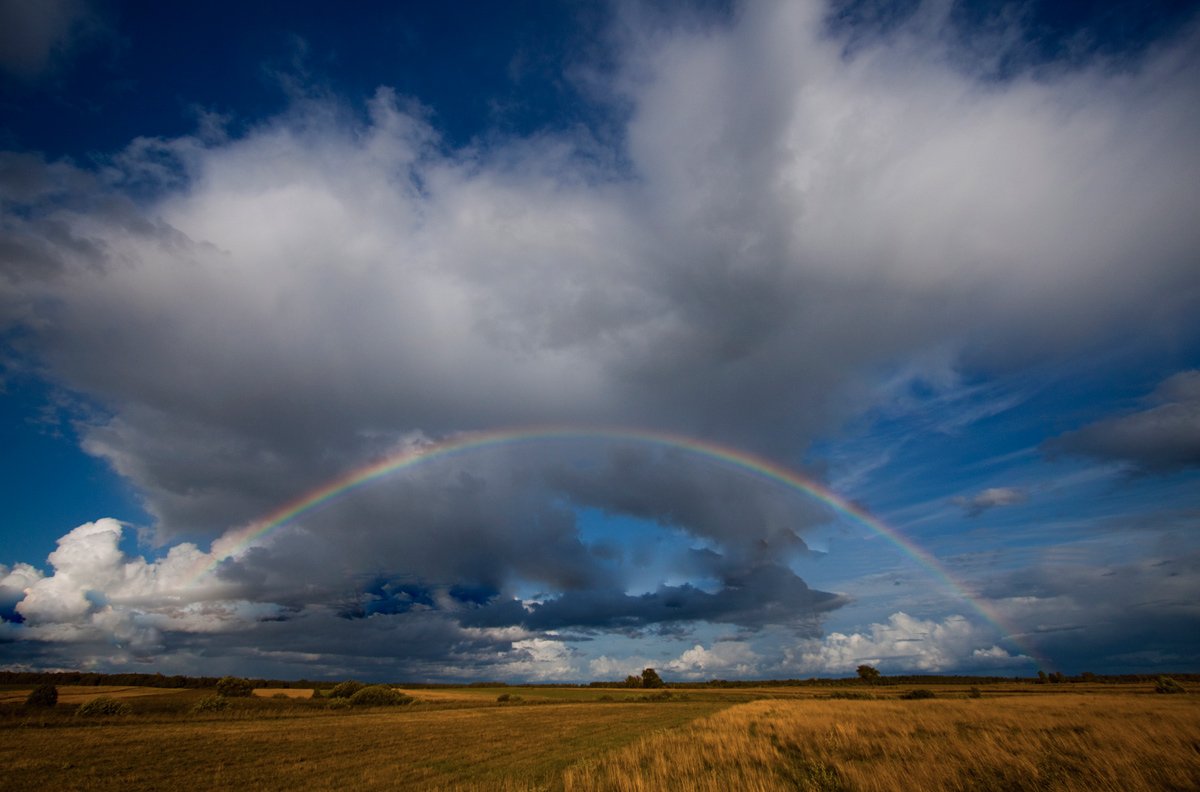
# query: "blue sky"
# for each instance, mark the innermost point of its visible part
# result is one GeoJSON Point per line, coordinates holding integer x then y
{"type": "Point", "coordinates": [938, 257]}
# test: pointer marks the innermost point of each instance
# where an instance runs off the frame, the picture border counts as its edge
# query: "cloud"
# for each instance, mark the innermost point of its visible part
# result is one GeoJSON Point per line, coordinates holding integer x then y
{"type": "Point", "coordinates": [1092, 612]}
{"type": "Point", "coordinates": [905, 643]}
{"type": "Point", "coordinates": [726, 659]}
{"type": "Point", "coordinates": [990, 498]}
{"type": "Point", "coordinates": [777, 221]}
{"type": "Point", "coordinates": [1163, 438]}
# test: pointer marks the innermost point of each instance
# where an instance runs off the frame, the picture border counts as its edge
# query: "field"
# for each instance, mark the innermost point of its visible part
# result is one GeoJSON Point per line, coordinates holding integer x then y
{"type": "Point", "coordinates": [1013, 737]}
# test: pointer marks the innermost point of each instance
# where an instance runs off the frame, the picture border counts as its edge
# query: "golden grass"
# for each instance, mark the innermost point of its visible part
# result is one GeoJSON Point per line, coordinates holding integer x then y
{"type": "Point", "coordinates": [296, 693]}
{"type": "Point", "coordinates": [1069, 742]}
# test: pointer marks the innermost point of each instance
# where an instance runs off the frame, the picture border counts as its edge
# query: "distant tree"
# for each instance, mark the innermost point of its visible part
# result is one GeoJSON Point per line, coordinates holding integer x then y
{"type": "Point", "coordinates": [234, 687]}
{"type": "Point", "coordinates": [1041, 677]}
{"type": "Point", "coordinates": [868, 674]}
{"type": "Point", "coordinates": [651, 679]}
{"type": "Point", "coordinates": [633, 681]}
{"type": "Point", "coordinates": [1087, 676]}
{"type": "Point", "coordinates": [42, 696]}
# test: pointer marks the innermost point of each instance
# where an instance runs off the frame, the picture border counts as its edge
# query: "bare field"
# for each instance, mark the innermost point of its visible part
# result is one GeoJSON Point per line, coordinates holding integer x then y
{"type": "Point", "coordinates": [296, 693]}
{"type": "Point", "coordinates": [1016, 737]}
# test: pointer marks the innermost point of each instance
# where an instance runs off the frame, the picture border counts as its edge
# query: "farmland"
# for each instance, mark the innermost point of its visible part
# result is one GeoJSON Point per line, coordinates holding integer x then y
{"type": "Point", "coordinates": [1018, 736]}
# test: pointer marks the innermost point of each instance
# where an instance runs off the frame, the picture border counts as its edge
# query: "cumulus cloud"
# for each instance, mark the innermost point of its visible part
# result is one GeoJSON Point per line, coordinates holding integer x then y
{"type": "Point", "coordinates": [1162, 438]}
{"type": "Point", "coordinates": [905, 643]}
{"type": "Point", "coordinates": [245, 318]}
{"type": "Point", "coordinates": [990, 498]}
{"type": "Point", "coordinates": [727, 659]}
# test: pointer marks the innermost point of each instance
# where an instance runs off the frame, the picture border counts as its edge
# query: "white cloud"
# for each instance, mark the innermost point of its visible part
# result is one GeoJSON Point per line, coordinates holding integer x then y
{"type": "Point", "coordinates": [728, 658]}
{"type": "Point", "coordinates": [904, 643]}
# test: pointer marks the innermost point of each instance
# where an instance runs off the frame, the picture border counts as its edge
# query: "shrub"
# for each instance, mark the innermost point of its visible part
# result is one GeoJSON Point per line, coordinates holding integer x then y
{"type": "Point", "coordinates": [1168, 685]}
{"type": "Point", "coordinates": [346, 689]}
{"type": "Point", "coordinates": [42, 696]}
{"type": "Point", "coordinates": [379, 696]}
{"type": "Point", "coordinates": [210, 704]}
{"type": "Point", "coordinates": [234, 687]}
{"type": "Point", "coordinates": [857, 695]}
{"type": "Point", "coordinates": [103, 705]}
{"type": "Point", "coordinates": [919, 693]}
{"type": "Point", "coordinates": [337, 703]}
{"type": "Point", "coordinates": [868, 674]}
{"type": "Point", "coordinates": [502, 697]}
{"type": "Point", "coordinates": [974, 693]}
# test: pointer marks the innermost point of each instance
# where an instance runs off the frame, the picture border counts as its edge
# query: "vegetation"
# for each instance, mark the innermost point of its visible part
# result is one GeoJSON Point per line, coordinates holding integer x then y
{"type": "Point", "coordinates": [868, 674]}
{"type": "Point", "coordinates": [1022, 743]}
{"type": "Point", "coordinates": [651, 679]}
{"type": "Point", "coordinates": [379, 696]}
{"type": "Point", "coordinates": [813, 737]}
{"type": "Point", "coordinates": [103, 706]}
{"type": "Point", "coordinates": [210, 704]}
{"type": "Point", "coordinates": [918, 693]}
{"type": "Point", "coordinates": [1168, 685]}
{"type": "Point", "coordinates": [44, 696]}
{"type": "Point", "coordinates": [234, 687]}
{"type": "Point", "coordinates": [346, 689]}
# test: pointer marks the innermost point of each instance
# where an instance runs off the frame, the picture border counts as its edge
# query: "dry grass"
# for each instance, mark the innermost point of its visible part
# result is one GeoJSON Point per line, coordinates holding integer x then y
{"type": "Point", "coordinates": [1017, 737]}
{"type": "Point", "coordinates": [1070, 742]}
{"type": "Point", "coordinates": [492, 747]}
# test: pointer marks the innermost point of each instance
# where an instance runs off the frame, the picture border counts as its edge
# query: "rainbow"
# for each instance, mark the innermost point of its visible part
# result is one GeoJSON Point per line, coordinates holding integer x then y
{"type": "Point", "coordinates": [236, 542]}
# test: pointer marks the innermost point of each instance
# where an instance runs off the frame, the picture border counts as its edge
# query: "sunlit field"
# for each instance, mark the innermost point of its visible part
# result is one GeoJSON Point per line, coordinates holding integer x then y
{"type": "Point", "coordinates": [1011, 737]}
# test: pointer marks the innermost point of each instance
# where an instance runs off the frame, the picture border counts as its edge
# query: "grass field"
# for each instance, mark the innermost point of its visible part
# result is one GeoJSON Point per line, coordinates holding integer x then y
{"type": "Point", "coordinates": [1016, 737]}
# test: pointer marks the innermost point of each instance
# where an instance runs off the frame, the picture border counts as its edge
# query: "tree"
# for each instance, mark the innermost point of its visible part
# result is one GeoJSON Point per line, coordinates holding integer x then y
{"type": "Point", "coordinates": [868, 674]}
{"type": "Point", "coordinates": [233, 687]}
{"type": "Point", "coordinates": [633, 681]}
{"type": "Point", "coordinates": [651, 679]}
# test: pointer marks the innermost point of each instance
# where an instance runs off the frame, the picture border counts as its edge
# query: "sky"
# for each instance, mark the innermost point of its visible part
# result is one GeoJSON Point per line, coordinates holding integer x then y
{"type": "Point", "coordinates": [548, 341]}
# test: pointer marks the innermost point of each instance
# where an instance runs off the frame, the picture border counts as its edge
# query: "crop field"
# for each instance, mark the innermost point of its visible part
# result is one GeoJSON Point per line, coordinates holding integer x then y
{"type": "Point", "coordinates": [1018, 737]}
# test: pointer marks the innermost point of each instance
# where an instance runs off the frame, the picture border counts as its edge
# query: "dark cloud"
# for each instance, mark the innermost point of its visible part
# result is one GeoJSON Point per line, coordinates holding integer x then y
{"type": "Point", "coordinates": [1106, 615]}
{"type": "Point", "coordinates": [1162, 438]}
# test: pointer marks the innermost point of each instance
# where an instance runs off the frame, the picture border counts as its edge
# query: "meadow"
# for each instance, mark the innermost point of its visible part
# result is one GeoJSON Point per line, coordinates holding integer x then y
{"type": "Point", "coordinates": [1010, 737]}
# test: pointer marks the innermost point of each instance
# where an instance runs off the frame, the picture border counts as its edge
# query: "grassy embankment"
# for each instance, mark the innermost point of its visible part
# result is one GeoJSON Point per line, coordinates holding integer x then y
{"type": "Point", "coordinates": [1016, 737]}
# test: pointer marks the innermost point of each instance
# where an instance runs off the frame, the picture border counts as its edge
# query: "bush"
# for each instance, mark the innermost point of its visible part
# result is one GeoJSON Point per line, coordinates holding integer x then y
{"type": "Point", "coordinates": [42, 696]}
{"type": "Point", "coordinates": [918, 693]}
{"type": "Point", "coordinates": [210, 704]}
{"type": "Point", "coordinates": [103, 705]}
{"type": "Point", "coordinates": [346, 689]}
{"type": "Point", "coordinates": [234, 687]}
{"type": "Point", "coordinates": [857, 695]}
{"type": "Point", "coordinates": [507, 697]}
{"type": "Point", "coordinates": [1168, 685]}
{"type": "Point", "coordinates": [379, 696]}
{"type": "Point", "coordinates": [337, 703]}
{"type": "Point", "coordinates": [974, 693]}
